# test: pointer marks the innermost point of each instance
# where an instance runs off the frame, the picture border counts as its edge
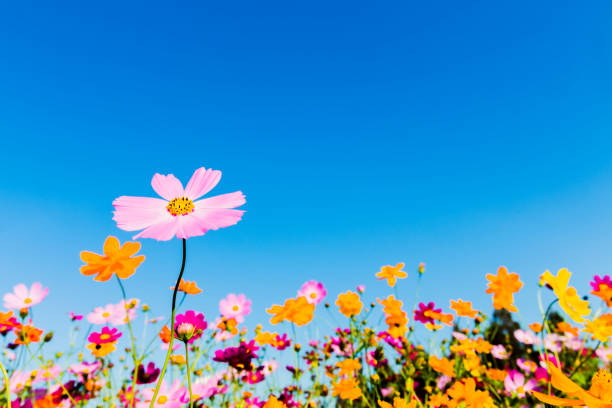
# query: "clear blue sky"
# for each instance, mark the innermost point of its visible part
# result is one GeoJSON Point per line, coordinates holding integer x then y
{"type": "Point", "coordinates": [465, 135]}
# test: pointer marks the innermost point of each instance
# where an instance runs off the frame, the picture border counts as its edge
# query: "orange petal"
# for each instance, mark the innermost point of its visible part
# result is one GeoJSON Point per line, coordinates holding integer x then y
{"type": "Point", "coordinates": [91, 258]}
{"type": "Point", "coordinates": [88, 270]}
{"type": "Point", "coordinates": [129, 248]}
{"type": "Point", "coordinates": [560, 402]}
{"type": "Point", "coordinates": [111, 246]}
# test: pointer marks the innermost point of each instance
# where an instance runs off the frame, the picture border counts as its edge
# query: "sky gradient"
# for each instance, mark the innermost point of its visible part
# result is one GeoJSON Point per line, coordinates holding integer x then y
{"type": "Point", "coordinates": [466, 136]}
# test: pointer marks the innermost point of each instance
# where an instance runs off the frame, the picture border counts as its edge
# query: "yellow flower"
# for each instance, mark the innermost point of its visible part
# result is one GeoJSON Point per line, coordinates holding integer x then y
{"type": "Point", "coordinates": [391, 273]}
{"type": "Point", "coordinates": [600, 328]}
{"type": "Point", "coordinates": [465, 392]}
{"type": "Point", "coordinates": [463, 308]}
{"type": "Point", "coordinates": [397, 403]}
{"type": "Point", "coordinates": [265, 338]}
{"type": "Point", "coordinates": [298, 311]}
{"type": "Point", "coordinates": [569, 300]}
{"type": "Point", "coordinates": [503, 286]}
{"type": "Point", "coordinates": [348, 366]}
{"type": "Point", "coordinates": [349, 303]}
{"type": "Point", "coordinates": [346, 388]}
{"type": "Point", "coordinates": [442, 365]}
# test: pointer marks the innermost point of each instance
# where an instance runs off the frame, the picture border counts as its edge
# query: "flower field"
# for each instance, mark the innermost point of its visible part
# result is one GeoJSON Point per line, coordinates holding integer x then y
{"type": "Point", "coordinates": [371, 359]}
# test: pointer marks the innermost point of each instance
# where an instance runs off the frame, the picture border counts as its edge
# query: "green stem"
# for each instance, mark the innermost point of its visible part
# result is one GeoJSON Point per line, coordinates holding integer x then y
{"type": "Point", "coordinates": [188, 374]}
{"type": "Point", "coordinates": [134, 357]}
{"type": "Point", "coordinates": [6, 384]}
{"type": "Point", "coordinates": [178, 281]}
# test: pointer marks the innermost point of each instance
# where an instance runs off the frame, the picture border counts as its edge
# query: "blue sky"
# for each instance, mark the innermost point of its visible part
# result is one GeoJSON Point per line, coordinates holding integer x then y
{"type": "Point", "coordinates": [466, 136]}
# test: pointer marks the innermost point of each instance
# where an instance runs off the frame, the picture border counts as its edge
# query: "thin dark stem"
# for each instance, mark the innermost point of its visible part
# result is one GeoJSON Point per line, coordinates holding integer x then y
{"type": "Point", "coordinates": [178, 281]}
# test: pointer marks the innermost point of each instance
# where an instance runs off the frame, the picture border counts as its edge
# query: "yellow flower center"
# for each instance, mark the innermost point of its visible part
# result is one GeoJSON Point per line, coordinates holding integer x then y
{"type": "Point", "coordinates": [27, 301]}
{"type": "Point", "coordinates": [235, 308]}
{"type": "Point", "coordinates": [162, 400]}
{"type": "Point", "coordinates": [105, 314]}
{"type": "Point", "coordinates": [180, 206]}
{"type": "Point", "coordinates": [601, 386]}
{"type": "Point", "coordinates": [313, 295]}
{"type": "Point", "coordinates": [104, 336]}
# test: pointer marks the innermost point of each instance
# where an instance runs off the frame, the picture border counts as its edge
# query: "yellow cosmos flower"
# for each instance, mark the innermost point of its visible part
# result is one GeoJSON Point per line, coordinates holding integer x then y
{"type": "Point", "coordinates": [391, 273]}
{"type": "Point", "coordinates": [600, 328]}
{"type": "Point", "coordinates": [348, 366]}
{"type": "Point", "coordinates": [569, 300]}
{"type": "Point", "coordinates": [349, 303]}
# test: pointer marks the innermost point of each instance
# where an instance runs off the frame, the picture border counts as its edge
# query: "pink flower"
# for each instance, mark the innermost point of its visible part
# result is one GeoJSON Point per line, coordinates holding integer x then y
{"type": "Point", "coordinates": [189, 327]}
{"type": "Point", "coordinates": [124, 311]}
{"type": "Point", "coordinates": [235, 306]}
{"type": "Point", "coordinates": [85, 368]}
{"type": "Point", "coordinates": [178, 214]}
{"type": "Point", "coordinates": [443, 381]}
{"type": "Point", "coordinates": [360, 288]}
{"type": "Point", "coordinates": [102, 315]}
{"type": "Point", "coordinates": [18, 380]}
{"type": "Point", "coordinates": [23, 298]}
{"type": "Point", "coordinates": [526, 337]}
{"type": "Point", "coordinates": [174, 397]}
{"type": "Point", "coordinates": [526, 365]}
{"type": "Point", "coordinates": [313, 291]}
{"type": "Point", "coordinates": [208, 386]}
{"type": "Point", "coordinates": [499, 352]}
{"type": "Point", "coordinates": [515, 383]}
{"type": "Point", "coordinates": [604, 354]}
{"type": "Point", "coordinates": [419, 314]}
{"type": "Point", "coordinates": [106, 335]}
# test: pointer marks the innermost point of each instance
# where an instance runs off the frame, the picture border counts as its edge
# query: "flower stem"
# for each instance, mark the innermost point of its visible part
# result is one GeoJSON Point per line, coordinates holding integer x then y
{"type": "Point", "coordinates": [188, 374]}
{"type": "Point", "coordinates": [134, 355]}
{"type": "Point", "coordinates": [6, 384]}
{"type": "Point", "coordinates": [178, 281]}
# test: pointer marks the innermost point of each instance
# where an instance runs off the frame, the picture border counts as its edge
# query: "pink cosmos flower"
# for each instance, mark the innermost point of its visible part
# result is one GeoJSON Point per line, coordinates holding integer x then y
{"type": "Point", "coordinates": [499, 352]}
{"type": "Point", "coordinates": [178, 214]}
{"type": "Point", "coordinates": [174, 397]}
{"type": "Point", "coordinates": [526, 337]}
{"type": "Point", "coordinates": [235, 306]}
{"type": "Point", "coordinates": [102, 315]}
{"type": "Point", "coordinates": [515, 383]}
{"type": "Point", "coordinates": [443, 381]}
{"type": "Point", "coordinates": [526, 365]}
{"type": "Point", "coordinates": [604, 354]}
{"type": "Point", "coordinates": [18, 380]}
{"type": "Point", "coordinates": [189, 326]}
{"type": "Point", "coordinates": [106, 335]}
{"type": "Point", "coordinates": [23, 298]}
{"type": "Point", "coordinates": [207, 386]}
{"type": "Point", "coordinates": [124, 311]}
{"type": "Point", "coordinates": [269, 367]}
{"type": "Point", "coordinates": [313, 291]}
{"type": "Point", "coordinates": [85, 368]}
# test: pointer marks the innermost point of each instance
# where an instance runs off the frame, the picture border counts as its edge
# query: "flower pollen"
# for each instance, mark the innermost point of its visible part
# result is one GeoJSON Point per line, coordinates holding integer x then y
{"type": "Point", "coordinates": [180, 206]}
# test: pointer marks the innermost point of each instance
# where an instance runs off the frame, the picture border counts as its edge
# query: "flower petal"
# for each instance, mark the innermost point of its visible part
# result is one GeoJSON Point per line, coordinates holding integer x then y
{"type": "Point", "coordinates": [168, 187]}
{"type": "Point", "coordinates": [136, 213]}
{"type": "Point", "coordinates": [229, 200]}
{"type": "Point", "coordinates": [215, 218]}
{"type": "Point", "coordinates": [111, 246]}
{"type": "Point", "coordinates": [129, 248]}
{"type": "Point", "coordinates": [202, 182]}
{"type": "Point", "coordinates": [161, 231]}
{"type": "Point", "coordinates": [90, 257]}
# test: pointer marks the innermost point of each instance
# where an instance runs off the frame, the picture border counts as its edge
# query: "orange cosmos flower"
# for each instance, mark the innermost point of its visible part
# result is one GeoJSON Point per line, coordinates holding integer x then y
{"type": "Point", "coordinates": [504, 285]}
{"type": "Point", "coordinates": [265, 338]}
{"type": "Point", "coordinates": [600, 328]}
{"type": "Point", "coordinates": [391, 273]}
{"type": "Point", "coordinates": [346, 388]}
{"type": "Point", "coordinates": [349, 303]}
{"type": "Point", "coordinates": [298, 311]}
{"type": "Point", "coordinates": [463, 308]}
{"type": "Point", "coordinates": [395, 317]}
{"type": "Point", "coordinates": [441, 317]}
{"type": "Point", "coordinates": [598, 396]}
{"type": "Point", "coordinates": [164, 334]}
{"type": "Point", "coordinates": [442, 365]}
{"type": "Point", "coordinates": [273, 402]}
{"type": "Point", "coordinates": [190, 288]}
{"type": "Point", "coordinates": [348, 366]}
{"type": "Point", "coordinates": [101, 349]}
{"type": "Point", "coordinates": [116, 260]}
{"type": "Point", "coordinates": [397, 403]}
{"type": "Point", "coordinates": [569, 300]}
{"type": "Point", "coordinates": [536, 327]}
{"type": "Point", "coordinates": [27, 334]}
{"type": "Point", "coordinates": [465, 391]}
{"type": "Point", "coordinates": [564, 327]}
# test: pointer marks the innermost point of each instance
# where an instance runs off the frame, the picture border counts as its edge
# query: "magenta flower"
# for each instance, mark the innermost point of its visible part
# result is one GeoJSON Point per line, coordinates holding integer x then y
{"type": "Point", "coordinates": [23, 298]}
{"type": "Point", "coordinates": [75, 317]}
{"type": "Point", "coordinates": [238, 357]}
{"type": "Point", "coordinates": [514, 383]}
{"type": "Point", "coordinates": [235, 307]}
{"type": "Point", "coordinates": [419, 315]}
{"type": "Point", "coordinates": [598, 281]}
{"type": "Point", "coordinates": [281, 342]}
{"type": "Point", "coordinates": [147, 376]}
{"type": "Point", "coordinates": [313, 291]}
{"type": "Point", "coordinates": [189, 327]}
{"type": "Point", "coordinates": [178, 214]}
{"type": "Point", "coordinates": [106, 335]}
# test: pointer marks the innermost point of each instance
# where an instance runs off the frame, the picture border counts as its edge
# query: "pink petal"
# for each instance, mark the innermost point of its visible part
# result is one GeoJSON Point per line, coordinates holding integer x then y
{"type": "Point", "coordinates": [229, 200]}
{"type": "Point", "coordinates": [136, 213]}
{"type": "Point", "coordinates": [202, 182]}
{"type": "Point", "coordinates": [168, 187]}
{"type": "Point", "coordinates": [11, 301]}
{"type": "Point", "coordinates": [21, 291]}
{"type": "Point", "coordinates": [215, 218]}
{"type": "Point", "coordinates": [161, 231]}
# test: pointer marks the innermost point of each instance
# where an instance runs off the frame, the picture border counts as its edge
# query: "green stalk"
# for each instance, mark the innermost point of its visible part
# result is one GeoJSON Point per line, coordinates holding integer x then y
{"type": "Point", "coordinates": [134, 357]}
{"type": "Point", "coordinates": [178, 281]}
{"type": "Point", "coordinates": [6, 384]}
{"type": "Point", "coordinates": [188, 375]}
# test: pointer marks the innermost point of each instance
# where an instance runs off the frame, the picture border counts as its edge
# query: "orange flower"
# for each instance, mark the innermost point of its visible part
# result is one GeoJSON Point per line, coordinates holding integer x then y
{"type": "Point", "coordinates": [347, 388]}
{"type": "Point", "coordinates": [465, 392]}
{"type": "Point", "coordinates": [600, 328]}
{"type": "Point", "coordinates": [536, 327]}
{"type": "Point", "coordinates": [598, 396]}
{"type": "Point", "coordinates": [273, 402]}
{"type": "Point", "coordinates": [504, 286]}
{"type": "Point", "coordinates": [391, 273]}
{"type": "Point", "coordinates": [349, 303]}
{"type": "Point", "coordinates": [471, 347]}
{"type": "Point", "coordinates": [164, 334]}
{"type": "Point", "coordinates": [442, 365]}
{"type": "Point", "coordinates": [5, 319]}
{"type": "Point", "coordinates": [101, 350]}
{"type": "Point", "coordinates": [190, 288]}
{"type": "Point", "coordinates": [564, 327]}
{"type": "Point", "coordinates": [229, 325]}
{"type": "Point", "coordinates": [463, 308]}
{"type": "Point", "coordinates": [265, 338]}
{"type": "Point", "coordinates": [27, 334]}
{"type": "Point", "coordinates": [116, 260]}
{"type": "Point", "coordinates": [298, 311]}
{"type": "Point", "coordinates": [395, 317]}
{"type": "Point", "coordinates": [569, 300]}
{"type": "Point", "coordinates": [441, 317]}
{"type": "Point", "coordinates": [496, 374]}
{"type": "Point", "coordinates": [348, 366]}
{"type": "Point", "coordinates": [397, 403]}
